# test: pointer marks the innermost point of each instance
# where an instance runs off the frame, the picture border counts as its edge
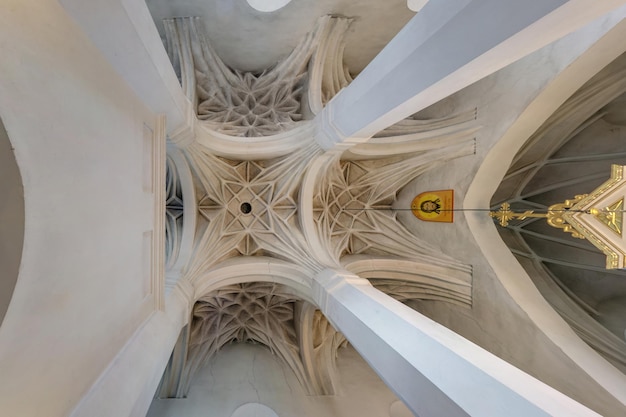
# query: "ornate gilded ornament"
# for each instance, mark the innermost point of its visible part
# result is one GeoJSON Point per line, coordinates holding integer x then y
{"type": "Point", "coordinates": [434, 206]}
{"type": "Point", "coordinates": [586, 216]}
{"type": "Point", "coordinates": [554, 215]}
{"type": "Point", "coordinates": [611, 216]}
{"type": "Point", "coordinates": [557, 211]}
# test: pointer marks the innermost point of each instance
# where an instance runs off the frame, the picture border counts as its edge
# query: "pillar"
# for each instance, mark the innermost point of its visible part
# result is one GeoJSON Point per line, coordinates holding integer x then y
{"type": "Point", "coordinates": [447, 46]}
{"type": "Point", "coordinates": [435, 371]}
{"type": "Point", "coordinates": [123, 30]}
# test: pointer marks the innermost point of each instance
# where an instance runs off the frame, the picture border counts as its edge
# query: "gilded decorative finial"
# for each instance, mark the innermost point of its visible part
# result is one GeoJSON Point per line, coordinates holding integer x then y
{"type": "Point", "coordinates": [587, 216]}
{"type": "Point", "coordinates": [554, 215]}
{"type": "Point", "coordinates": [556, 219]}
{"type": "Point", "coordinates": [505, 214]}
{"type": "Point", "coordinates": [611, 216]}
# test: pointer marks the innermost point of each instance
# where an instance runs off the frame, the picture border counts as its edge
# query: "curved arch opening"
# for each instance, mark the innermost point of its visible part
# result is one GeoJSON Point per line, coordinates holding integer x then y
{"type": "Point", "coordinates": [488, 178]}
{"type": "Point", "coordinates": [416, 5]}
{"type": "Point", "coordinates": [254, 269]}
{"type": "Point", "coordinates": [267, 5]}
{"type": "Point", "coordinates": [254, 410]}
{"type": "Point", "coordinates": [11, 221]}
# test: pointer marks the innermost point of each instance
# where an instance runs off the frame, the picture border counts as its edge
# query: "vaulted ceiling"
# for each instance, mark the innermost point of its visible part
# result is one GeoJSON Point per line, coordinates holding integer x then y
{"type": "Point", "coordinates": [269, 206]}
{"type": "Point", "coordinates": [571, 154]}
{"type": "Point", "coordinates": [253, 76]}
{"type": "Point", "coordinates": [251, 41]}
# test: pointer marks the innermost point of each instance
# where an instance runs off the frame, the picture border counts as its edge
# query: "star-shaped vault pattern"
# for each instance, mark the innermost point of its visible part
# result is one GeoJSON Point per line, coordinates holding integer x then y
{"type": "Point", "coordinates": [268, 314]}
{"type": "Point", "coordinates": [255, 105]}
{"type": "Point", "coordinates": [308, 209]}
{"type": "Point", "coordinates": [249, 208]}
{"type": "Point", "coordinates": [248, 205]}
{"type": "Point", "coordinates": [353, 206]}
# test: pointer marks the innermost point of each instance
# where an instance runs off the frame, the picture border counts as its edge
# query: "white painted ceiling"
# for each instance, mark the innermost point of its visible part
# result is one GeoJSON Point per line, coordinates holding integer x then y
{"type": "Point", "coordinates": [249, 40]}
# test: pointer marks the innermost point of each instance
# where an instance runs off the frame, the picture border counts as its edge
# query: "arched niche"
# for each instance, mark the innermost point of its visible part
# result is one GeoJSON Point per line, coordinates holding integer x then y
{"type": "Point", "coordinates": [416, 5]}
{"type": "Point", "coordinates": [254, 410]}
{"type": "Point", "coordinates": [268, 5]}
{"type": "Point", "coordinates": [11, 220]}
{"type": "Point", "coordinates": [511, 274]}
{"type": "Point", "coordinates": [399, 409]}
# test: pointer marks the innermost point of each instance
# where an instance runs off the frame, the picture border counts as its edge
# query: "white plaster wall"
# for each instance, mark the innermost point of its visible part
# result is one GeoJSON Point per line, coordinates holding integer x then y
{"type": "Point", "coordinates": [496, 321]}
{"type": "Point", "coordinates": [77, 130]}
{"type": "Point", "coordinates": [245, 373]}
{"type": "Point", "coordinates": [124, 32]}
{"type": "Point", "coordinates": [11, 221]}
{"type": "Point", "coordinates": [250, 40]}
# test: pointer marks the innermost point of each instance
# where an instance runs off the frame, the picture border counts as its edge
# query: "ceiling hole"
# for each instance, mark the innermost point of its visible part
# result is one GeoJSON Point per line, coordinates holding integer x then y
{"type": "Point", "coordinates": [245, 208]}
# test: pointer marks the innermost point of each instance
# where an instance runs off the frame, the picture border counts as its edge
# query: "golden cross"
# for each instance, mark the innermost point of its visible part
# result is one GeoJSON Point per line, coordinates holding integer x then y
{"type": "Point", "coordinates": [504, 215]}
{"type": "Point", "coordinates": [554, 215]}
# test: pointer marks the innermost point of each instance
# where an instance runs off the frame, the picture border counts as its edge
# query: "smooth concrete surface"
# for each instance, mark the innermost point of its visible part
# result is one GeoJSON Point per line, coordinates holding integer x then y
{"type": "Point", "coordinates": [11, 220]}
{"type": "Point", "coordinates": [246, 373]}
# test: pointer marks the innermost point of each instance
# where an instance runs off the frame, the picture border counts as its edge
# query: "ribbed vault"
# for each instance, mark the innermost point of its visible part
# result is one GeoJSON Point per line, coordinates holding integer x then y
{"type": "Point", "coordinates": [267, 314]}
{"type": "Point", "coordinates": [572, 154]}
{"type": "Point", "coordinates": [295, 203]}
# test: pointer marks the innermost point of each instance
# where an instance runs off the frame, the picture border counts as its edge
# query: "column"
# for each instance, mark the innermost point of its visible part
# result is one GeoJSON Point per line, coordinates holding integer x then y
{"type": "Point", "coordinates": [433, 370]}
{"type": "Point", "coordinates": [447, 46]}
{"type": "Point", "coordinates": [134, 374]}
{"type": "Point", "coordinates": [123, 30]}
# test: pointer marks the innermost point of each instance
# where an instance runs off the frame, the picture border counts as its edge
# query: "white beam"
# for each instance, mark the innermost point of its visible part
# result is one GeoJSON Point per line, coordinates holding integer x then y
{"type": "Point", "coordinates": [449, 45]}
{"type": "Point", "coordinates": [134, 374]}
{"type": "Point", "coordinates": [123, 30]}
{"type": "Point", "coordinates": [433, 370]}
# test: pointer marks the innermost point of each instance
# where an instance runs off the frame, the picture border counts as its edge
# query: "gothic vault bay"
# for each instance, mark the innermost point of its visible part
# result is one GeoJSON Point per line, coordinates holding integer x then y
{"type": "Point", "coordinates": [207, 208]}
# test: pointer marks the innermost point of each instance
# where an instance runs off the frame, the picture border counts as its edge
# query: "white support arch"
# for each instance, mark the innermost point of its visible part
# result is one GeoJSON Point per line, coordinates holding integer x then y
{"type": "Point", "coordinates": [318, 248]}
{"type": "Point", "coordinates": [254, 269]}
{"type": "Point", "coordinates": [491, 172]}
{"type": "Point", "coordinates": [265, 147]}
{"type": "Point", "coordinates": [422, 280]}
